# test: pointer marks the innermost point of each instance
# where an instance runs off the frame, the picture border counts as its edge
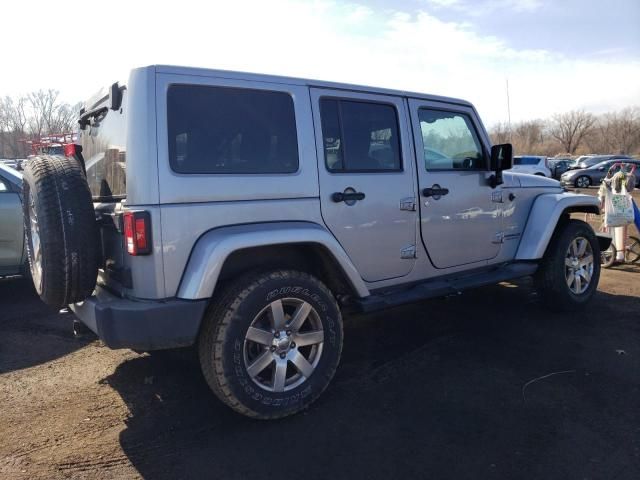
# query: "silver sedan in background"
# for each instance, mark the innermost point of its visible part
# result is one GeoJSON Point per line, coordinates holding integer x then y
{"type": "Point", "coordinates": [13, 255]}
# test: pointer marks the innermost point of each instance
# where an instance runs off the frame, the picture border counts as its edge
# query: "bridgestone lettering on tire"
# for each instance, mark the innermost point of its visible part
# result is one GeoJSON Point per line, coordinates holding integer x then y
{"type": "Point", "coordinates": [61, 230]}
{"type": "Point", "coordinates": [258, 370]}
{"type": "Point", "coordinates": [570, 270]}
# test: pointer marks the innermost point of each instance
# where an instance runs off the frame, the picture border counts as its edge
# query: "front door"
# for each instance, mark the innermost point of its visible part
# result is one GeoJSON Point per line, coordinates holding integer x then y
{"type": "Point", "coordinates": [461, 215]}
{"type": "Point", "coordinates": [367, 187]}
{"type": "Point", "coordinates": [11, 236]}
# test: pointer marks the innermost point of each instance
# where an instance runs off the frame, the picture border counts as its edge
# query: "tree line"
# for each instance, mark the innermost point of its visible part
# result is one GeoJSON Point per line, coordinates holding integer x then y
{"type": "Point", "coordinates": [42, 113]}
{"type": "Point", "coordinates": [31, 117]}
{"type": "Point", "coordinates": [574, 133]}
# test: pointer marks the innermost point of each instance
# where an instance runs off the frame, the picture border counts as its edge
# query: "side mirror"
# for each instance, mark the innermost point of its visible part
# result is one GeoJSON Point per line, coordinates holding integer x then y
{"type": "Point", "coordinates": [501, 159]}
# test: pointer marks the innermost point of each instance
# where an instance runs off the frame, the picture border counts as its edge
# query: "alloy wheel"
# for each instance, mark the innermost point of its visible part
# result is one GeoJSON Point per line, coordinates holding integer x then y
{"type": "Point", "coordinates": [35, 250]}
{"type": "Point", "coordinates": [578, 265]}
{"type": "Point", "coordinates": [283, 345]}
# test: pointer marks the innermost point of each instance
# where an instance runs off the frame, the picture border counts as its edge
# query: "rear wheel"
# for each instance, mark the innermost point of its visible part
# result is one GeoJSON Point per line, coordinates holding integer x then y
{"type": "Point", "coordinates": [61, 231]}
{"type": "Point", "coordinates": [270, 344]}
{"type": "Point", "coordinates": [608, 256]}
{"type": "Point", "coordinates": [569, 273]}
{"type": "Point", "coordinates": [632, 252]}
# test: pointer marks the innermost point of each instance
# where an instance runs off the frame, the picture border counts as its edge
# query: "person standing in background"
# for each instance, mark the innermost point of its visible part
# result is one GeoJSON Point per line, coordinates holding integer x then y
{"type": "Point", "coordinates": [620, 176]}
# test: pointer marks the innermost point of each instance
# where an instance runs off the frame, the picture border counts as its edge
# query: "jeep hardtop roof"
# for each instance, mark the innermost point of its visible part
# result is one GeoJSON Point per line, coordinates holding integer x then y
{"type": "Point", "coordinates": [103, 94]}
{"type": "Point", "coordinates": [204, 72]}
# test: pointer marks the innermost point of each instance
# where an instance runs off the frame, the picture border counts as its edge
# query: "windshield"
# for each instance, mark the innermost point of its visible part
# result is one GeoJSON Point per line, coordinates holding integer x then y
{"type": "Point", "coordinates": [590, 161]}
{"type": "Point", "coordinates": [104, 150]}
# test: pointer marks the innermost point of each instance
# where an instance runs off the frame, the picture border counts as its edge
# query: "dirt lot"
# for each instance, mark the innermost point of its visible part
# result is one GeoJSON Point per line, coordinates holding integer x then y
{"type": "Point", "coordinates": [485, 385]}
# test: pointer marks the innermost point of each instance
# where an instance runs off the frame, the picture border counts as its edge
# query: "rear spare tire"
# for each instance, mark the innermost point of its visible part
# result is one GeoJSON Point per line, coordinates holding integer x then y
{"type": "Point", "coordinates": [61, 230]}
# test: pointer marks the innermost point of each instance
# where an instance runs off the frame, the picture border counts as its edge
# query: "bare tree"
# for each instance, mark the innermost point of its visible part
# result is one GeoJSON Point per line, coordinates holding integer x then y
{"type": "Point", "coordinates": [528, 136]}
{"type": "Point", "coordinates": [499, 133]}
{"type": "Point", "coordinates": [620, 131]}
{"type": "Point", "coordinates": [13, 121]}
{"type": "Point", "coordinates": [570, 128]}
{"type": "Point", "coordinates": [44, 104]}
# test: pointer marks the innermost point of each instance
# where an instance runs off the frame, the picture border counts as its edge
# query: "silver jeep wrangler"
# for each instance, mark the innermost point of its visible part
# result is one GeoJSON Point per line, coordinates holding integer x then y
{"type": "Point", "coordinates": [243, 213]}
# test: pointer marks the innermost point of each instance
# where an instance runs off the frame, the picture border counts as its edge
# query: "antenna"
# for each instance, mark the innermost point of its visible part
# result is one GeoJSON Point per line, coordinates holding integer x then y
{"type": "Point", "coordinates": [509, 110]}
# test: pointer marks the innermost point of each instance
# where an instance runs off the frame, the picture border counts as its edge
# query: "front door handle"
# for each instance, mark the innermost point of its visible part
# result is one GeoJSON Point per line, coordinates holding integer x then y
{"type": "Point", "coordinates": [435, 191]}
{"type": "Point", "coordinates": [347, 197]}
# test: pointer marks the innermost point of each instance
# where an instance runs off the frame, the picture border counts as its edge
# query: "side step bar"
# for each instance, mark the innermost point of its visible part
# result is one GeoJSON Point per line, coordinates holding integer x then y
{"type": "Point", "coordinates": [443, 286]}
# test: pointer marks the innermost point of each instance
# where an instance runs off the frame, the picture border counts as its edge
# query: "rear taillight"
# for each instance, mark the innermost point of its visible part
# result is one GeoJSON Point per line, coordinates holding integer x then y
{"type": "Point", "coordinates": [137, 232]}
{"type": "Point", "coordinates": [69, 149]}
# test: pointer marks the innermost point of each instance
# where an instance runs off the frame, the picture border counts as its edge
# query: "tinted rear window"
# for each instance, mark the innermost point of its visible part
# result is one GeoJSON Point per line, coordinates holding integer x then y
{"type": "Point", "coordinates": [526, 160]}
{"type": "Point", "coordinates": [104, 150]}
{"type": "Point", "coordinates": [230, 130]}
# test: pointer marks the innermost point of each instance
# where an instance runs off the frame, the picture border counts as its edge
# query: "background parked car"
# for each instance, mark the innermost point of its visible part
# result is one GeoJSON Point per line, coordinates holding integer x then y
{"type": "Point", "coordinates": [532, 164]}
{"type": "Point", "coordinates": [593, 175]}
{"type": "Point", "coordinates": [558, 166]}
{"type": "Point", "coordinates": [12, 252]}
{"type": "Point", "coordinates": [587, 161]}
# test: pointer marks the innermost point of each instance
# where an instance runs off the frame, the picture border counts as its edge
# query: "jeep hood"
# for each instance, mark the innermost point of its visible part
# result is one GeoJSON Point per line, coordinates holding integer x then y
{"type": "Point", "coordinates": [523, 180]}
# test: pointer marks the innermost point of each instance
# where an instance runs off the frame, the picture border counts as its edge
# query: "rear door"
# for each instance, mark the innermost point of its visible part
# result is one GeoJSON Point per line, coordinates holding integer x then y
{"type": "Point", "coordinates": [367, 187]}
{"type": "Point", "coordinates": [461, 215]}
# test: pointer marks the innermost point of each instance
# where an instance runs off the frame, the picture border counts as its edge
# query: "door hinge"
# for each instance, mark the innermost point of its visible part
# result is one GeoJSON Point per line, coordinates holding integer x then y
{"type": "Point", "coordinates": [498, 238]}
{"type": "Point", "coordinates": [408, 252]}
{"type": "Point", "coordinates": [408, 204]}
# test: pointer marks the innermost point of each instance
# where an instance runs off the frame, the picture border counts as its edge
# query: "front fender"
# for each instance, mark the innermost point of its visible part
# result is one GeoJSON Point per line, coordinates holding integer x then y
{"type": "Point", "coordinates": [212, 249]}
{"type": "Point", "coordinates": [543, 218]}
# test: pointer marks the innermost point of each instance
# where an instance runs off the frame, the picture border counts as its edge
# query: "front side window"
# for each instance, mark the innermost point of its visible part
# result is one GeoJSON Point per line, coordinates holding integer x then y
{"type": "Point", "coordinates": [360, 136]}
{"type": "Point", "coordinates": [450, 141]}
{"type": "Point", "coordinates": [231, 130]}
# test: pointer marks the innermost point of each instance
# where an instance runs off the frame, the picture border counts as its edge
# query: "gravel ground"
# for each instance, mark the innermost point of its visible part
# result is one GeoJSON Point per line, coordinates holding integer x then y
{"type": "Point", "coordinates": [485, 385]}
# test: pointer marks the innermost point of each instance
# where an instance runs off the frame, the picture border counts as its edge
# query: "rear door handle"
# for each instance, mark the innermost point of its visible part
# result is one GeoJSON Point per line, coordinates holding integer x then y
{"type": "Point", "coordinates": [347, 196]}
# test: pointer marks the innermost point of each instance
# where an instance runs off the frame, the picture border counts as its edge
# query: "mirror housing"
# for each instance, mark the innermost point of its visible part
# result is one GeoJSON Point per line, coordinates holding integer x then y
{"type": "Point", "coordinates": [501, 159]}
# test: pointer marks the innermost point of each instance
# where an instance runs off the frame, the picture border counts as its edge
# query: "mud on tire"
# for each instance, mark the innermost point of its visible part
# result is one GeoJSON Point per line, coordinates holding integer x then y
{"type": "Point", "coordinates": [61, 230]}
{"type": "Point", "coordinates": [226, 350]}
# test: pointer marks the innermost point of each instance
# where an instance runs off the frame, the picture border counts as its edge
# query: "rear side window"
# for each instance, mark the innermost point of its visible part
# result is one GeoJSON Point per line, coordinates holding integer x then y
{"type": "Point", "coordinates": [360, 136]}
{"type": "Point", "coordinates": [526, 160]}
{"type": "Point", "coordinates": [231, 130]}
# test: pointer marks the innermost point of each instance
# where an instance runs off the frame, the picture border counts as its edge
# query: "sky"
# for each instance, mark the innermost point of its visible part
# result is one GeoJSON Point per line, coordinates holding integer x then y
{"type": "Point", "coordinates": [555, 55]}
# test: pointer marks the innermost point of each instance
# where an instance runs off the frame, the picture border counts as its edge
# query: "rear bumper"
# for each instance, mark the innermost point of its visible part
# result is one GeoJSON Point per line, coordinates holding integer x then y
{"type": "Point", "coordinates": [141, 325]}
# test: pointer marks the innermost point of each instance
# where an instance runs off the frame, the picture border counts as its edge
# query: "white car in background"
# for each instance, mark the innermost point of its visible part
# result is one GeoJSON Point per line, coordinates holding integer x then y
{"type": "Point", "coordinates": [532, 164]}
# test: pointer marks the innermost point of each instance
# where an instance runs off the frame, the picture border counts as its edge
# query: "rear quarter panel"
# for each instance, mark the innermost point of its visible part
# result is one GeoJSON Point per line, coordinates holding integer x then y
{"type": "Point", "coordinates": [193, 204]}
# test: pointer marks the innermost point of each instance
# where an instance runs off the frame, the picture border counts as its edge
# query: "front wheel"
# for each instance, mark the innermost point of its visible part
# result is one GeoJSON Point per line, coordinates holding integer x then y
{"type": "Point", "coordinates": [569, 272]}
{"type": "Point", "coordinates": [583, 182]}
{"type": "Point", "coordinates": [271, 342]}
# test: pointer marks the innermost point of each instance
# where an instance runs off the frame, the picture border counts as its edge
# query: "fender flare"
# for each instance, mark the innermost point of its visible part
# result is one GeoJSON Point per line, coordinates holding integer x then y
{"type": "Point", "coordinates": [544, 216]}
{"type": "Point", "coordinates": [214, 247]}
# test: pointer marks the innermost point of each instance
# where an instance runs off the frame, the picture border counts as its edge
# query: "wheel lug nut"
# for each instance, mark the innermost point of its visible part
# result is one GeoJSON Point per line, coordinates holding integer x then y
{"type": "Point", "coordinates": [283, 355]}
{"type": "Point", "coordinates": [293, 345]}
{"type": "Point", "coordinates": [277, 334]}
{"type": "Point", "coordinates": [273, 348]}
{"type": "Point", "coordinates": [288, 333]}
